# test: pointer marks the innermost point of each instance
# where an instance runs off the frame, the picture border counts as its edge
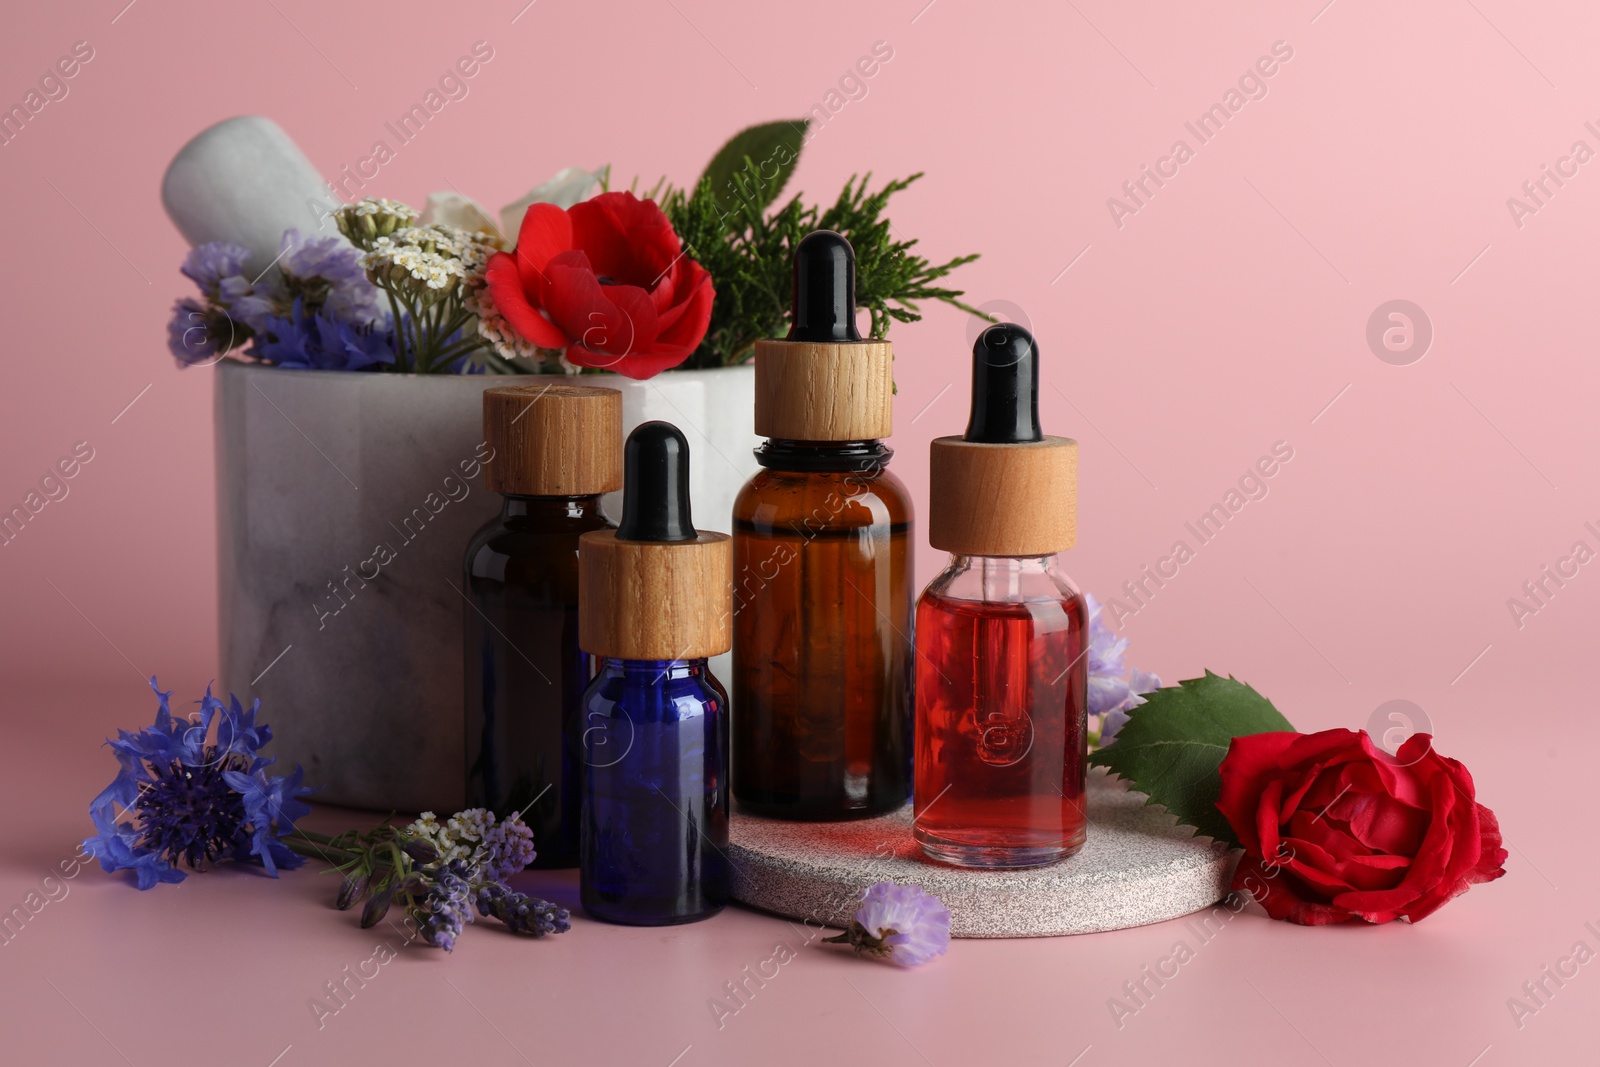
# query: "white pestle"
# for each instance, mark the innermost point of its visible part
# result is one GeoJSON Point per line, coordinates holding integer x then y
{"type": "Point", "coordinates": [244, 180]}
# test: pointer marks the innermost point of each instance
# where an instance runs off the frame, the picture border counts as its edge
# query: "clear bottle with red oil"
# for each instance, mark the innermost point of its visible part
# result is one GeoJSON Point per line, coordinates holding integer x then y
{"type": "Point", "coordinates": [1002, 633]}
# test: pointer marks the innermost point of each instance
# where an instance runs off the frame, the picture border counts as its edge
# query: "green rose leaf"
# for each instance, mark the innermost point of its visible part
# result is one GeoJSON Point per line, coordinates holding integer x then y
{"type": "Point", "coordinates": [1173, 743]}
{"type": "Point", "coordinates": [756, 163]}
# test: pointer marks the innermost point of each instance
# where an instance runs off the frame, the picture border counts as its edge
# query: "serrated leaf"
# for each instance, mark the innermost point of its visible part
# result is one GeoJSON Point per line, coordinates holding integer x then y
{"type": "Point", "coordinates": [1173, 743]}
{"type": "Point", "coordinates": [756, 163]}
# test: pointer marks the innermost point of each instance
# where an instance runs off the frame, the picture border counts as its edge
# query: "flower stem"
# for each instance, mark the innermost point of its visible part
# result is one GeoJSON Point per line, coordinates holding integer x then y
{"type": "Point", "coordinates": [428, 337]}
{"type": "Point", "coordinates": [318, 846]}
{"type": "Point", "coordinates": [460, 348]}
{"type": "Point", "coordinates": [399, 331]}
{"type": "Point", "coordinates": [504, 366]}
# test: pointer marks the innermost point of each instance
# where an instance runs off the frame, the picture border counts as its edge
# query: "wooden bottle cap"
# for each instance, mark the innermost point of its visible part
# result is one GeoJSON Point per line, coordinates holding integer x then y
{"type": "Point", "coordinates": [824, 391]}
{"type": "Point", "coordinates": [553, 440]}
{"type": "Point", "coordinates": [1003, 499]}
{"type": "Point", "coordinates": [655, 599]}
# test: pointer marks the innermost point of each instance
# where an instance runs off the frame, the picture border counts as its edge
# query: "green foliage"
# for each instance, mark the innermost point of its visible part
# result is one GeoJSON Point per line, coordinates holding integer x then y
{"type": "Point", "coordinates": [748, 249]}
{"type": "Point", "coordinates": [1173, 743]}
{"type": "Point", "coordinates": [771, 149]}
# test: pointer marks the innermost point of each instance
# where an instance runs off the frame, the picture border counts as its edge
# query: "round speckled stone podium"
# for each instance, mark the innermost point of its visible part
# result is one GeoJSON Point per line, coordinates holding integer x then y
{"type": "Point", "coordinates": [1136, 867]}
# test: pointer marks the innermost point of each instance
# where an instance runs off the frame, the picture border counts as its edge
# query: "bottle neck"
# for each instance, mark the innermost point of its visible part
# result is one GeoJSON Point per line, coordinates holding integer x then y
{"type": "Point", "coordinates": [653, 669]}
{"type": "Point", "coordinates": [552, 507]}
{"type": "Point", "coordinates": [1005, 564]}
{"type": "Point", "coordinates": [834, 456]}
{"type": "Point", "coordinates": [1003, 579]}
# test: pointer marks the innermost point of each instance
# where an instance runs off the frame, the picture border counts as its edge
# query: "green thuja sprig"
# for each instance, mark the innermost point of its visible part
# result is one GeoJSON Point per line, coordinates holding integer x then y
{"type": "Point", "coordinates": [749, 250]}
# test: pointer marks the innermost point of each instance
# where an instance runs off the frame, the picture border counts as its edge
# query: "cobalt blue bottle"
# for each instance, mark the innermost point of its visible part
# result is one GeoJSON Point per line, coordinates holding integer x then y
{"type": "Point", "coordinates": [656, 602]}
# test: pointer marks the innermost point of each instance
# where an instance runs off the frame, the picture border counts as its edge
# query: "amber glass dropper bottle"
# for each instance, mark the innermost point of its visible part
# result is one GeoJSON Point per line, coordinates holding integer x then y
{"type": "Point", "coordinates": [822, 568]}
{"type": "Point", "coordinates": [556, 449]}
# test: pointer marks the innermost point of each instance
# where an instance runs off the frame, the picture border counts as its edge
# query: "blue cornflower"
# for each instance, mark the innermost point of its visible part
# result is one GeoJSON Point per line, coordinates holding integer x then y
{"type": "Point", "coordinates": [117, 847]}
{"type": "Point", "coordinates": [270, 802]}
{"type": "Point", "coordinates": [196, 799]}
{"type": "Point", "coordinates": [317, 341]}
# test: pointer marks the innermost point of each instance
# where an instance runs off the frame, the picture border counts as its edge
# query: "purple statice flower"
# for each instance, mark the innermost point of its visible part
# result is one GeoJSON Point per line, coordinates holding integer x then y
{"type": "Point", "coordinates": [521, 913]}
{"type": "Point", "coordinates": [1113, 688]}
{"type": "Point", "coordinates": [1139, 683]}
{"type": "Point", "coordinates": [212, 263]}
{"type": "Point", "coordinates": [199, 333]}
{"type": "Point", "coordinates": [1108, 674]}
{"type": "Point", "coordinates": [230, 288]}
{"type": "Point", "coordinates": [326, 272]}
{"type": "Point", "coordinates": [447, 907]}
{"type": "Point", "coordinates": [231, 305]}
{"type": "Point", "coordinates": [900, 923]}
{"type": "Point", "coordinates": [197, 798]}
{"type": "Point", "coordinates": [507, 848]}
{"type": "Point", "coordinates": [249, 304]}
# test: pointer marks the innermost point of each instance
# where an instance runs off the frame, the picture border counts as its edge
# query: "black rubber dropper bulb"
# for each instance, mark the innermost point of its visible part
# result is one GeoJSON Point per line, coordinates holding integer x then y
{"type": "Point", "coordinates": [655, 485]}
{"type": "Point", "coordinates": [1005, 387]}
{"type": "Point", "coordinates": [824, 289]}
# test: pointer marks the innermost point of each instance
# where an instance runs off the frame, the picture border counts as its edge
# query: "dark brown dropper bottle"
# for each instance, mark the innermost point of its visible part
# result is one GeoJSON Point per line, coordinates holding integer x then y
{"type": "Point", "coordinates": [556, 449]}
{"type": "Point", "coordinates": [822, 567]}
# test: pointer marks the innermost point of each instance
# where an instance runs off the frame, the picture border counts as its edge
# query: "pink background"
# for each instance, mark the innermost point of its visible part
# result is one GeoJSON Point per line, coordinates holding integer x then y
{"type": "Point", "coordinates": [1226, 315]}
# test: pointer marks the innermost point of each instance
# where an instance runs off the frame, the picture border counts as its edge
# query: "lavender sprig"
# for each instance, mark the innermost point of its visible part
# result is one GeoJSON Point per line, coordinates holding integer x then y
{"type": "Point", "coordinates": [520, 912]}
{"type": "Point", "coordinates": [436, 873]}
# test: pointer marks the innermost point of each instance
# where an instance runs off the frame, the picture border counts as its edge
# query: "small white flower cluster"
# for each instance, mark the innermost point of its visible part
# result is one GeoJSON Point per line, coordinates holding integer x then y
{"type": "Point", "coordinates": [437, 256]}
{"type": "Point", "coordinates": [433, 269]}
{"type": "Point", "coordinates": [459, 838]}
{"type": "Point", "coordinates": [379, 206]}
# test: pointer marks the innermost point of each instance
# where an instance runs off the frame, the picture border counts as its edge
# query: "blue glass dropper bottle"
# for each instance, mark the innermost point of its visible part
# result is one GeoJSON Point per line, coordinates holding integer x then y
{"type": "Point", "coordinates": [655, 600]}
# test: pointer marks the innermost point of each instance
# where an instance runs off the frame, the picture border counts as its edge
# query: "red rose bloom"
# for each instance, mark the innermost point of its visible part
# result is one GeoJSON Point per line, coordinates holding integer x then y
{"type": "Point", "coordinates": [1334, 828]}
{"type": "Point", "coordinates": [606, 280]}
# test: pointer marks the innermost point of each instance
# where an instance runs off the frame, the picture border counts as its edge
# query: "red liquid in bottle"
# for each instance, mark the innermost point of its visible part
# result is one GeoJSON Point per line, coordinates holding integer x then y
{"type": "Point", "coordinates": [1001, 695]}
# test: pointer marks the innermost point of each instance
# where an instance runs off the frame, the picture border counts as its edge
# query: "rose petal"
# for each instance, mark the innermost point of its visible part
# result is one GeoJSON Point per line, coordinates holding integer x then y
{"type": "Point", "coordinates": [1478, 856]}
{"type": "Point", "coordinates": [1382, 823]}
{"type": "Point", "coordinates": [1251, 761]}
{"type": "Point", "coordinates": [1427, 869]}
{"type": "Point", "coordinates": [1491, 858]}
{"type": "Point", "coordinates": [1272, 890]}
{"type": "Point", "coordinates": [1316, 866]}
